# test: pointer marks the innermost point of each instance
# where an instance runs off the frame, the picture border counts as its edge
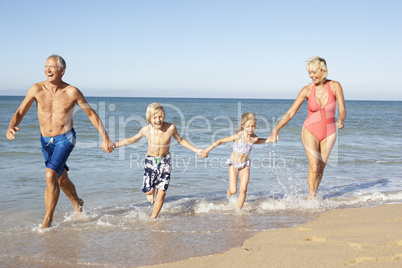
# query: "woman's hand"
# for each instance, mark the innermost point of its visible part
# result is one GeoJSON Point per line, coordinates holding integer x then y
{"type": "Point", "coordinates": [273, 137]}
{"type": "Point", "coordinates": [339, 124]}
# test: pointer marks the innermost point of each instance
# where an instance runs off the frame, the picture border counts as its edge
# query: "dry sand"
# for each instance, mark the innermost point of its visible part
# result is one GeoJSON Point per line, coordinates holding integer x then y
{"type": "Point", "coordinates": [361, 237]}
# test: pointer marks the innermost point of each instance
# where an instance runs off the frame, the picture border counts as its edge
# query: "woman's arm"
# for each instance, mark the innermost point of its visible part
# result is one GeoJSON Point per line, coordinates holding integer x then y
{"type": "Point", "coordinates": [303, 94]}
{"type": "Point", "coordinates": [338, 92]}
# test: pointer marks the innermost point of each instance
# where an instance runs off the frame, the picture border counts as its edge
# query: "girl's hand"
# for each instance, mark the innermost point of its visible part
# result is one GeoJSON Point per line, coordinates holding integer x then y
{"type": "Point", "coordinates": [339, 124]}
{"type": "Point", "coordinates": [203, 153]}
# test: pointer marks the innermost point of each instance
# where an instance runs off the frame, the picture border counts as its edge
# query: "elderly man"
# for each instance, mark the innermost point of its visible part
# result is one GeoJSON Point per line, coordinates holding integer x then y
{"type": "Point", "coordinates": [55, 101]}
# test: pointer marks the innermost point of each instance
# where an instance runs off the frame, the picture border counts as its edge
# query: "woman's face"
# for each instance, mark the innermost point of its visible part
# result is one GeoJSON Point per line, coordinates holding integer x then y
{"type": "Point", "coordinates": [317, 75]}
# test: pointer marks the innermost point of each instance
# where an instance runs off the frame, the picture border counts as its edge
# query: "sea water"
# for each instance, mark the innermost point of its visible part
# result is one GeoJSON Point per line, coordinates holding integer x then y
{"type": "Point", "coordinates": [197, 218]}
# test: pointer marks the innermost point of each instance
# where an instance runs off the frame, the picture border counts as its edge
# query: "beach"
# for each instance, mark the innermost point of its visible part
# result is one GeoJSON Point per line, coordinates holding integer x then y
{"type": "Point", "coordinates": [197, 218]}
{"type": "Point", "coordinates": [362, 237]}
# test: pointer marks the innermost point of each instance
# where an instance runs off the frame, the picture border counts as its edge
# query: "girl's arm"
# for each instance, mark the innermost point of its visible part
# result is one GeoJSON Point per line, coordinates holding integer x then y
{"type": "Point", "coordinates": [261, 140]}
{"type": "Point", "coordinates": [223, 140]}
{"type": "Point", "coordinates": [303, 94]}
{"type": "Point", "coordinates": [131, 140]}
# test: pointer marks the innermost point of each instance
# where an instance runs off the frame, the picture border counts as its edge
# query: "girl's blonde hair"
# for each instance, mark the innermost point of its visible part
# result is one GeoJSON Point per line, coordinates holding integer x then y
{"type": "Point", "coordinates": [153, 109]}
{"type": "Point", "coordinates": [317, 64]}
{"type": "Point", "coordinates": [245, 117]}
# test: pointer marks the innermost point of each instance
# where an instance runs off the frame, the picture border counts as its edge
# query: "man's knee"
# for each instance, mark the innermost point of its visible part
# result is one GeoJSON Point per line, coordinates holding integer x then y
{"type": "Point", "coordinates": [51, 176]}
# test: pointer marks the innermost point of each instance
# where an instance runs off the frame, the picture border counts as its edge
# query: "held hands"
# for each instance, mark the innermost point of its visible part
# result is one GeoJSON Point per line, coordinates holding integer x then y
{"type": "Point", "coordinates": [339, 124]}
{"type": "Point", "coordinates": [107, 146]}
{"type": "Point", "coordinates": [10, 134]}
{"type": "Point", "coordinates": [203, 153]}
{"type": "Point", "coordinates": [273, 137]}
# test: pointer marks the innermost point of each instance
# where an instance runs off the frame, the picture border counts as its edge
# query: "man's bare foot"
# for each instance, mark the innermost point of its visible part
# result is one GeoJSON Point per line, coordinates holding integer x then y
{"type": "Point", "coordinates": [46, 224]}
{"type": "Point", "coordinates": [78, 208]}
{"type": "Point", "coordinates": [228, 193]}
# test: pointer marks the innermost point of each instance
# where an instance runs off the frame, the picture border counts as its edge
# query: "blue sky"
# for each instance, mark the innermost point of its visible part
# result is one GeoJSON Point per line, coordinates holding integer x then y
{"type": "Point", "coordinates": [203, 48]}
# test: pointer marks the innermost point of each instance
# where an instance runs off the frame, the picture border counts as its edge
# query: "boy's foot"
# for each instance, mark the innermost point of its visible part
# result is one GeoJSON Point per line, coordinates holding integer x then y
{"type": "Point", "coordinates": [228, 193]}
{"type": "Point", "coordinates": [150, 198]}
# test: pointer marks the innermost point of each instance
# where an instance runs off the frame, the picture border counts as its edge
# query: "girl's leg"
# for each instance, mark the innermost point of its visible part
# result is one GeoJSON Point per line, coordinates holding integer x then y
{"type": "Point", "coordinates": [244, 178]}
{"type": "Point", "coordinates": [233, 174]}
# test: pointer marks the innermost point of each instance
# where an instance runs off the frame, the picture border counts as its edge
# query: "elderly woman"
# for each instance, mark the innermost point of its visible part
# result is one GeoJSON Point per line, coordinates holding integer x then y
{"type": "Point", "coordinates": [319, 131]}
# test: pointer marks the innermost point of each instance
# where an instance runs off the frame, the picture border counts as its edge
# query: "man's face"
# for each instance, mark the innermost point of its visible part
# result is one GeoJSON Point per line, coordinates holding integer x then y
{"type": "Point", "coordinates": [52, 72]}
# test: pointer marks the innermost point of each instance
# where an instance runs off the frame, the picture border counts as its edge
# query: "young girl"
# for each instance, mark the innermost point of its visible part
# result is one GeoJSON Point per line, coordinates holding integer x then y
{"type": "Point", "coordinates": [239, 163]}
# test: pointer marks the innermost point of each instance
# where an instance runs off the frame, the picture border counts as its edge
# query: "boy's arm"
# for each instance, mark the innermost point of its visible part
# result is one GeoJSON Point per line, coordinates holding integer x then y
{"type": "Point", "coordinates": [20, 113]}
{"type": "Point", "coordinates": [131, 140]}
{"type": "Point", "coordinates": [185, 143]}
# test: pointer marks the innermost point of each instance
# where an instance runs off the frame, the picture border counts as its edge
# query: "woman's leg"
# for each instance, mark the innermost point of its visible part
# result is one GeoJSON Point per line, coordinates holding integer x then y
{"type": "Point", "coordinates": [312, 148]}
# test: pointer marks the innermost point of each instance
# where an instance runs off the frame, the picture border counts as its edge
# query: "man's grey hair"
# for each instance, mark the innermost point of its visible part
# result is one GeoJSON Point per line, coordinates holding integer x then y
{"type": "Point", "coordinates": [60, 61]}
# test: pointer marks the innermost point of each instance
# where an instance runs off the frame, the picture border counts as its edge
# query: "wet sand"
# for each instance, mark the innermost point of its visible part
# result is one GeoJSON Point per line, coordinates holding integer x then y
{"type": "Point", "coordinates": [362, 237]}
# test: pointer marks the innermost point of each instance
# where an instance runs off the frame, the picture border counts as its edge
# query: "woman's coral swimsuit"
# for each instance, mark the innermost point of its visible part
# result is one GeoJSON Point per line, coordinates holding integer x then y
{"type": "Point", "coordinates": [320, 121]}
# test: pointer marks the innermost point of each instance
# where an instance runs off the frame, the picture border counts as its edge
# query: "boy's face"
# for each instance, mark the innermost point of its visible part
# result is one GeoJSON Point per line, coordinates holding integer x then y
{"type": "Point", "coordinates": [157, 119]}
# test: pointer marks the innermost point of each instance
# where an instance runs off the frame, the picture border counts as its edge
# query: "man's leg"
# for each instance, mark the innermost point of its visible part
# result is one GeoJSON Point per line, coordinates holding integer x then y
{"type": "Point", "coordinates": [69, 190]}
{"type": "Point", "coordinates": [52, 193]}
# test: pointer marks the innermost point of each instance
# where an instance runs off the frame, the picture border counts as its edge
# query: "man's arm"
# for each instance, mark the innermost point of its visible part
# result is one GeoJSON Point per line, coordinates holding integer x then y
{"type": "Point", "coordinates": [107, 144]}
{"type": "Point", "coordinates": [20, 113]}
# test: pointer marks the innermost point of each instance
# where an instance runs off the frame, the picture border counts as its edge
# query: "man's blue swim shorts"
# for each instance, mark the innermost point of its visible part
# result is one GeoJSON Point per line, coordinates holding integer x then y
{"type": "Point", "coordinates": [56, 150]}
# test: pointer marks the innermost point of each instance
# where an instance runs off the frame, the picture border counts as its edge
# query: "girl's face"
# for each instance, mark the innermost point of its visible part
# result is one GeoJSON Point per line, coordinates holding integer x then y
{"type": "Point", "coordinates": [249, 126]}
{"type": "Point", "coordinates": [157, 119]}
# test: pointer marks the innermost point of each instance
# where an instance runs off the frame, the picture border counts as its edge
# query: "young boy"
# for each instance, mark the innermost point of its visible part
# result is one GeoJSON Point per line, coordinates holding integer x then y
{"type": "Point", "coordinates": [158, 162]}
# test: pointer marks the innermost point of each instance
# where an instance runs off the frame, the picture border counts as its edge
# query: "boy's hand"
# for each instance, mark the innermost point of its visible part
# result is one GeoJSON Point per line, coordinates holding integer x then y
{"type": "Point", "coordinates": [107, 146]}
{"type": "Point", "coordinates": [203, 153]}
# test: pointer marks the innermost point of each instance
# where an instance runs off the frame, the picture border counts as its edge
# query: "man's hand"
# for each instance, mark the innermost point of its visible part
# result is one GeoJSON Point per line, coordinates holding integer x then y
{"type": "Point", "coordinates": [107, 146]}
{"type": "Point", "coordinates": [10, 134]}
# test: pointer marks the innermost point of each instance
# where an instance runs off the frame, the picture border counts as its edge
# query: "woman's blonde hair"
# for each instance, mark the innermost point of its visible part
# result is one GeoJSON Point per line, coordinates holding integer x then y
{"type": "Point", "coordinates": [317, 64]}
{"type": "Point", "coordinates": [245, 117]}
{"type": "Point", "coordinates": [153, 109]}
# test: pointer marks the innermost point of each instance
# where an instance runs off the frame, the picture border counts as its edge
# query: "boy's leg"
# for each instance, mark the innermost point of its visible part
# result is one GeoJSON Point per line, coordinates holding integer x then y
{"type": "Point", "coordinates": [151, 195]}
{"type": "Point", "coordinates": [160, 198]}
